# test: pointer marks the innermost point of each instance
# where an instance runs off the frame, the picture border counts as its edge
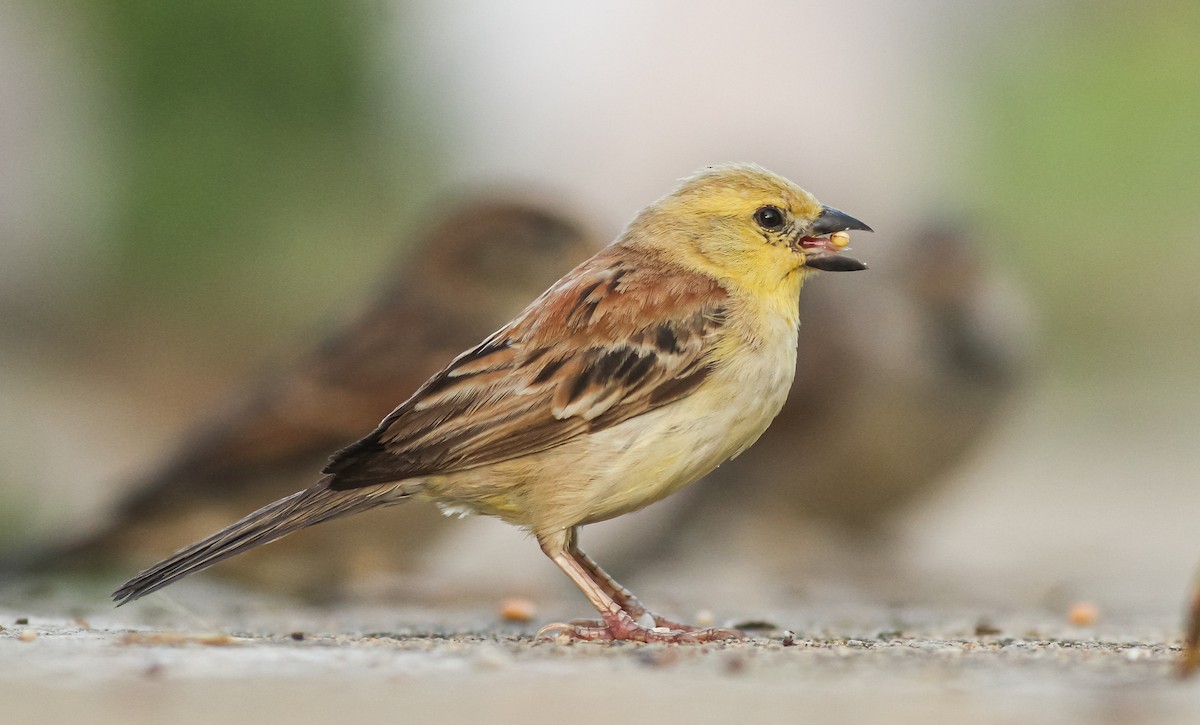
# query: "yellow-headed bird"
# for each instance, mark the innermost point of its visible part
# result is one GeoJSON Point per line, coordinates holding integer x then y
{"type": "Point", "coordinates": [640, 371]}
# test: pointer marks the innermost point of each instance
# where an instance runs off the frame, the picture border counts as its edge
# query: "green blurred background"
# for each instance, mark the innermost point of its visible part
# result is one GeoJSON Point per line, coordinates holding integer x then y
{"type": "Point", "coordinates": [1087, 149]}
{"type": "Point", "coordinates": [191, 187]}
{"type": "Point", "coordinates": [243, 146]}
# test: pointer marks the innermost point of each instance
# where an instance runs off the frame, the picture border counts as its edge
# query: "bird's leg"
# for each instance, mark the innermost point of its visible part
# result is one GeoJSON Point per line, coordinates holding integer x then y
{"type": "Point", "coordinates": [623, 597]}
{"type": "Point", "coordinates": [618, 623]}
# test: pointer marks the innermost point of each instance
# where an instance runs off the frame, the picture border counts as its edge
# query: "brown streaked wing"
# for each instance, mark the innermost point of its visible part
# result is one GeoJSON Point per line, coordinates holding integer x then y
{"type": "Point", "coordinates": [621, 335]}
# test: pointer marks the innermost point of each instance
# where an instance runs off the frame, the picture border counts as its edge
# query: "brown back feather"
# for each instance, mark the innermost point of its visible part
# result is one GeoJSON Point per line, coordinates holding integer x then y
{"type": "Point", "coordinates": [580, 359]}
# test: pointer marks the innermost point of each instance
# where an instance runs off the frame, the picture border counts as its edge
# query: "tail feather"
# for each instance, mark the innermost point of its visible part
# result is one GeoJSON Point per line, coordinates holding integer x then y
{"type": "Point", "coordinates": [305, 508]}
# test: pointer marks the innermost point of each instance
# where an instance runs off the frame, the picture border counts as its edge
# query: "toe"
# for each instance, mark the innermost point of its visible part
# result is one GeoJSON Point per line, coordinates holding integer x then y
{"type": "Point", "coordinates": [585, 630]}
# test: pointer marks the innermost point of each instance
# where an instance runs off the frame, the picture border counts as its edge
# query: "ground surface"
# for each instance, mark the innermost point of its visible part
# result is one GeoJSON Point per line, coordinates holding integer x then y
{"type": "Point", "coordinates": [156, 662]}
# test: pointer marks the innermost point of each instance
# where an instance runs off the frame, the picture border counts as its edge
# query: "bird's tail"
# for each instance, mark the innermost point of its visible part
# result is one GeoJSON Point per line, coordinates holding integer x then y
{"type": "Point", "coordinates": [310, 506]}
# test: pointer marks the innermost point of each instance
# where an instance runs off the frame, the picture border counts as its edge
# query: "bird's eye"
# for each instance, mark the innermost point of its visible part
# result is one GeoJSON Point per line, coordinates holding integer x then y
{"type": "Point", "coordinates": [770, 218]}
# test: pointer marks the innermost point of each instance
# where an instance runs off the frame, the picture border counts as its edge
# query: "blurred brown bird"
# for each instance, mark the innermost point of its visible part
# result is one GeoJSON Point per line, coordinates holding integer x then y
{"type": "Point", "coordinates": [464, 277]}
{"type": "Point", "coordinates": [900, 377]}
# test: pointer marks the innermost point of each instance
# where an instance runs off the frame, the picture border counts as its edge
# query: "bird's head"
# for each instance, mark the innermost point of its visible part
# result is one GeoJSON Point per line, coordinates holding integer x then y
{"type": "Point", "coordinates": [746, 224]}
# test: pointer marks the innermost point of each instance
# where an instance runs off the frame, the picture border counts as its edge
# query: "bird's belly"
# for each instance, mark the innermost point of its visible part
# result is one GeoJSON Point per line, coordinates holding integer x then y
{"type": "Point", "coordinates": [634, 463]}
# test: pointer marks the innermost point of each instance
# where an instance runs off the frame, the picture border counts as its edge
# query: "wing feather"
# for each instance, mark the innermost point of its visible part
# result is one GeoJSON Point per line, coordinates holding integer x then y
{"type": "Point", "coordinates": [615, 338]}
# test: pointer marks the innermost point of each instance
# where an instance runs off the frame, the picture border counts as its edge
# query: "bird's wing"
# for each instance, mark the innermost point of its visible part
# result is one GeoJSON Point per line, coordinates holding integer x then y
{"type": "Point", "coordinates": [615, 338]}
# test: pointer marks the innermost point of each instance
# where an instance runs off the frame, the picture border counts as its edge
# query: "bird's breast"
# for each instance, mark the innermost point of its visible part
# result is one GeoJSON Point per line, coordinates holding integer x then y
{"type": "Point", "coordinates": [647, 458]}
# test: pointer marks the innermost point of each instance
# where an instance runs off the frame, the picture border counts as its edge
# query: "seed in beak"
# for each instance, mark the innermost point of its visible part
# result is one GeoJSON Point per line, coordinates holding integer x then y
{"type": "Point", "coordinates": [839, 239]}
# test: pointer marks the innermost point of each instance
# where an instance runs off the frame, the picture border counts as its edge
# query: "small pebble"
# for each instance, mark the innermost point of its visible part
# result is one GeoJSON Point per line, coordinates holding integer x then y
{"type": "Point", "coordinates": [22, 620]}
{"type": "Point", "coordinates": [755, 624]}
{"type": "Point", "coordinates": [705, 618]}
{"type": "Point", "coordinates": [789, 638]}
{"type": "Point", "coordinates": [27, 635]}
{"type": "Point", "coordinates": [1083, 614]}
{"type": "Point", "coordinates": [518, 609]}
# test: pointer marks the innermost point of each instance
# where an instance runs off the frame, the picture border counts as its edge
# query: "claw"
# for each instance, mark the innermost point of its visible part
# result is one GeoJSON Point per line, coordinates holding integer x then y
{"type": "Point", "coordinates": [589, 631]}
{"type": "Point", "coordinates": [660, 621]}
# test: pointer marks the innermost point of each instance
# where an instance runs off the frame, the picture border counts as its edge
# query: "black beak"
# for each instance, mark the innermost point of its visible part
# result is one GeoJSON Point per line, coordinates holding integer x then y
{"type": "Point", "coordinates": [833, 263]}
{"type": "Point", "coordinates": [831, 220]}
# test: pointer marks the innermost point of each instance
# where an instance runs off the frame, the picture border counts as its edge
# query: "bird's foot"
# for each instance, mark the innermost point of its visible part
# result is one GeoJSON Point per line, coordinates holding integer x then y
{"type": "Point", "coordinates": [621, 627]}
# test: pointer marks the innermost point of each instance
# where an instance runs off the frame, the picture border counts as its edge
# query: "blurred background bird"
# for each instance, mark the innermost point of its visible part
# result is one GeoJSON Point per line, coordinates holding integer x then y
{"type": "Point", "coordinates": [897, 380]}
{"type": "Point", "coordinates": [478, 263]}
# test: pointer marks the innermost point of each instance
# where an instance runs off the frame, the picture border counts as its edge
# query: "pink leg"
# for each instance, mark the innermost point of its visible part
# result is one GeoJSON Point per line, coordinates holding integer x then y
{"type": "Point", "coordinates": [618, 607]}
{"type": "Point", "coordinates": [622, 596]}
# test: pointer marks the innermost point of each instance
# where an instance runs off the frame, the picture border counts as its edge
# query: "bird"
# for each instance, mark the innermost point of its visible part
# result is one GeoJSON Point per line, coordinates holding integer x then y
{"type": "Point", "coordinates": [477, 263]}
{"type": "Point", "coordinates": [644, 368]}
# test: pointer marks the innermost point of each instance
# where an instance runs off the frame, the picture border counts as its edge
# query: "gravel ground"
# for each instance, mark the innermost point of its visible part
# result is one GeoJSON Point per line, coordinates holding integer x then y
{"type": "Point", "coordinates": [155, 662]}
